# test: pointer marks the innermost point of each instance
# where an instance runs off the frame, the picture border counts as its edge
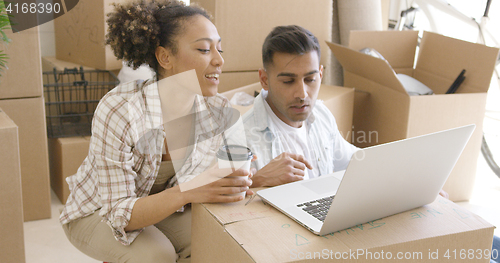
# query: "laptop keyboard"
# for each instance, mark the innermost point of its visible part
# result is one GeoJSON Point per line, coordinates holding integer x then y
{"type": "Point", "coordinates": [317, 208]}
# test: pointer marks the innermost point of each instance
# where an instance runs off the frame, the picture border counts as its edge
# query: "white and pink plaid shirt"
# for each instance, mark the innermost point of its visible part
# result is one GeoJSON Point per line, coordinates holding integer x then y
{"type": "Point", "coordinates": [125, 154]}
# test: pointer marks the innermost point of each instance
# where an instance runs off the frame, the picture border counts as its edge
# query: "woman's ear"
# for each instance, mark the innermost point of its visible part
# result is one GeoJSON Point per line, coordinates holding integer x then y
{"type": "Point", "coordinates": [164, 57]}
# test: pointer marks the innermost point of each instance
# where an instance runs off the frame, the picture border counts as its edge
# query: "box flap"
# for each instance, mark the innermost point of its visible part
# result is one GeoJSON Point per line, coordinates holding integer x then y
{"type": "Point", "coordinates": [397, 47]}
{"type": "Point", "coordinates": [366, 66]}
{"type": "Point", "coordinates": [227, 213]}
{"type": "Point", "coordinates": [78, 140]}
{"type": "Point", "coordinates": [49, 63]}
{"type": "Point", "coordinates": [5, 121]}
{"type": "Point", "coordinates": [448, 56]}
{"type": "Point", "coordinates": [210, 241]}
{"type": "Point", "coordinates": [380, 114]}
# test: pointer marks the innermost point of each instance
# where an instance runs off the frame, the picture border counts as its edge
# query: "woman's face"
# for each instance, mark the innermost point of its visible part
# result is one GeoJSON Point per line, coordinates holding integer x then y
{"type": "Point", "coordinates": [199, 48]}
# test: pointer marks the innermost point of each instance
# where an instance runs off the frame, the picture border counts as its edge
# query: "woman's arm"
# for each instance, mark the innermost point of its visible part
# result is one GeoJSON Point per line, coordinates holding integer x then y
{"type": "Point", "coordinates": [154, 208]}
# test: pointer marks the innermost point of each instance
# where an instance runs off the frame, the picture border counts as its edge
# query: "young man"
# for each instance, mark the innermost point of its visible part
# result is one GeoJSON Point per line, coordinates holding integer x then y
{"type": "Point", "coordinates": [294, 136]}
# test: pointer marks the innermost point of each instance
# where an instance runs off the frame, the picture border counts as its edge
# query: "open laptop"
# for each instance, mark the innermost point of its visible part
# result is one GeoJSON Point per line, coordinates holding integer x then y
{"type": "Point", "coordinates": [379, 181]}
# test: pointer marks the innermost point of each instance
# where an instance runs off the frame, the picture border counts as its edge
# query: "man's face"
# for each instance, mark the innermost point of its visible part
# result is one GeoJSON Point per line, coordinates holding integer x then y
{"type": "Point", "coordinates": [293, 83]}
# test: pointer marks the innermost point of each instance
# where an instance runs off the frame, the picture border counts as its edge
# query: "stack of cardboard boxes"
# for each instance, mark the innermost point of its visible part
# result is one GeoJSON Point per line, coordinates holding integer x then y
{"type": "Point", "coordinates": [21, 99]}
{"type": "Point", "coordinates": [80, 41]}
{"type": "Point", "coordinates": [67, 152]}
{"type": "Point", "coordinates": [243, 26]}
{"type": "Point", "coordinates": [383, 110]}
{"type": "Point", "coordinates": [80, 35]}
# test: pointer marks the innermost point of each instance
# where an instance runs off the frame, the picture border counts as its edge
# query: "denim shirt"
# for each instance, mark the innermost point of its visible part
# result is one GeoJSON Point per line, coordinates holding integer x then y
{"type": "Point", "coordinates": [332, 151]}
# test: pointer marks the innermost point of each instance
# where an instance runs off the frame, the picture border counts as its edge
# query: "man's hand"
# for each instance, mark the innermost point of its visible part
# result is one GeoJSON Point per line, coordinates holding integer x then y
{"type": "Point", "coordinates": [285, 168]}
{"type": "Point", "coordinates": [444, 194]}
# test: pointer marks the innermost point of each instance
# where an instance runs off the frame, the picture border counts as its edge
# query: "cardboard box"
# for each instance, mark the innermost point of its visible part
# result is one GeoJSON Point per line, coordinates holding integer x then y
{"type": "Point", "coordinates": [80, 35]}
{"type": "Point", "coordinates": [65, 156]}
{"type": "Point", "coordinates": [243, 26]}
{"type": "Point", "coordinates": [49, 63]}
{"type": "Point", "coordinates": [232, 80]}
{"type": "Point", "coordinates": [259, 233]}
{"type": "Point", "coordinates": [29, 115]}
{"type": "Point", "coordinates": [384, 112]}
{"type": "Point", "coordinates": [252, 89]}
{"type": "Point", "coordinates": [339, 100]}
{"type": "Point", "coordinates": [23, 79]}
{"type": "Point", "coordinates": [11, 214]}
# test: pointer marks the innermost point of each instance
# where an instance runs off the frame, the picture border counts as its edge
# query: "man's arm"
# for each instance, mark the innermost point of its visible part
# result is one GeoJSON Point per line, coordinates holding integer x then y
{"type": "Point", "coordinates": [285, 168]}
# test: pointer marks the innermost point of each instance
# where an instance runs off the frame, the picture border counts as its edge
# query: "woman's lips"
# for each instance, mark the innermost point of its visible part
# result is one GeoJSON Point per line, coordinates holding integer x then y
{"type": "Point", "coordinates": [213, 78]}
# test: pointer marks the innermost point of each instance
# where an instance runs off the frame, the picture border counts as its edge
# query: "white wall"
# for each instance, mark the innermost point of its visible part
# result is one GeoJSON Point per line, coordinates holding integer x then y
{"type": "Point", "coordinates": [454, 21]}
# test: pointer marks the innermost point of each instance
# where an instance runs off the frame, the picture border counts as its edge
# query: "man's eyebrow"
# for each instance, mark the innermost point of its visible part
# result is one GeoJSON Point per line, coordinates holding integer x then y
{"type": "Point", "coordinates": [284, 74]}
{"type": "Point", "coordinates": [311, 72]}
{"type": "Point", "coordinates": [206, 39]}
{"type": "Point", "coordinates": [292, 75]}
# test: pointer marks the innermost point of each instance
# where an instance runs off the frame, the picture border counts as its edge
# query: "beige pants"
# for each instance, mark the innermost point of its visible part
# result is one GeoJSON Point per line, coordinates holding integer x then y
{"type": "Point", "coordinates": [166, 241]}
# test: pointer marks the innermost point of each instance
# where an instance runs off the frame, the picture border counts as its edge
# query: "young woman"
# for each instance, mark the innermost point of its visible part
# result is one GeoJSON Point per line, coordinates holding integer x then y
{"type": "Point", "coordinates": [125, 203]}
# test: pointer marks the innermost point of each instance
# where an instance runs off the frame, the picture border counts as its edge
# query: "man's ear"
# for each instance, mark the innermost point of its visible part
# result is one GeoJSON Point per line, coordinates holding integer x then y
{"type": "Point", "coordinates": [163, 56]}
{"type": "Point", "coordinates": [264, 80]}
{"type": "Point", "coordinates": [321, 72]}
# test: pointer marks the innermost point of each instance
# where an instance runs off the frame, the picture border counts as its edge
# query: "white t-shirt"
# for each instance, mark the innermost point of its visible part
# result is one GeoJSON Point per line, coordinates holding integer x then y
{"type": "Point", "coordinates": [295, 140]}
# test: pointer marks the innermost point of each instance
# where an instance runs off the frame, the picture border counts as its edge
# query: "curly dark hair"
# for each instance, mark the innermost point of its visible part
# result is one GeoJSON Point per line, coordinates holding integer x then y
{"type": "Point", "coordinates": [137, 28]}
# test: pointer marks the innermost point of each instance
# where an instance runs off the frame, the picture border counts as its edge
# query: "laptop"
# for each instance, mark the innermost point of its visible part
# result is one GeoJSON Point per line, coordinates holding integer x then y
{"type": "Point", "coordinates": [379, 181]}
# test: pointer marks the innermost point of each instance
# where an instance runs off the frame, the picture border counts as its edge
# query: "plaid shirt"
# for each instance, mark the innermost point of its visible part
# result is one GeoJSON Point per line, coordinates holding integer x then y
{"type": "Point", "coordinates": [125, 154]}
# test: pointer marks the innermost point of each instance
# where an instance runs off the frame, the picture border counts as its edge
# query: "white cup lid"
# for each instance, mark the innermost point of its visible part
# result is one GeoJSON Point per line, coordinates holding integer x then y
{"type": "Point", "coordinates": [234, 153]}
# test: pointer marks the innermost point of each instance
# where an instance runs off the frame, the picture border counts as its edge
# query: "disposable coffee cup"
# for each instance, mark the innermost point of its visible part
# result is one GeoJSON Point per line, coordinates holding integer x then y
{"type": "Point", "coordinates": [235, 156]}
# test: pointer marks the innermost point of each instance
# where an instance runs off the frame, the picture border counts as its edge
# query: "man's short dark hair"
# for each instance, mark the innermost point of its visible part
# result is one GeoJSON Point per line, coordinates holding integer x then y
{"type": "Point", "coordinates": [288, 39]}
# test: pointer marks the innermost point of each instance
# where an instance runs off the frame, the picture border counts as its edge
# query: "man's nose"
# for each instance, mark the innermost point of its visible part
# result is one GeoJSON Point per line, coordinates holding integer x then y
{"type": "Point", "coordinates": [301, 91]}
